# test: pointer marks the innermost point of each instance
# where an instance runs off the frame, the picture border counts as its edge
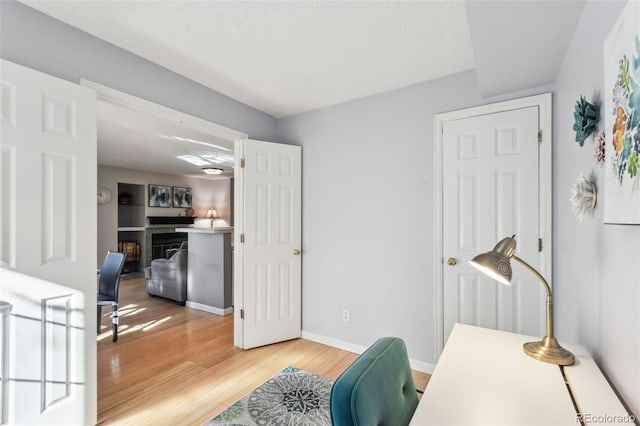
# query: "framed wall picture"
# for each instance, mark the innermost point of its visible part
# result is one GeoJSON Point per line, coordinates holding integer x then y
{"type": "Point", "coordinates": [159, 195]}
{"type": "Point", "coordinates": [622, 119]}
{"type": "Point", "coordinates": [181, 197]}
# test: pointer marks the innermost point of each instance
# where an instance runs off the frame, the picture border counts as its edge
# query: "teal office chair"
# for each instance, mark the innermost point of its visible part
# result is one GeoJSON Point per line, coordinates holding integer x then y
{"type": "Point", "coordinates": [377, 389]}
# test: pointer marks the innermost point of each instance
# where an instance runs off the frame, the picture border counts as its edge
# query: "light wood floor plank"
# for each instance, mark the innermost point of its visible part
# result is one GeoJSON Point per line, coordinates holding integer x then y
{"type": "Point", "coordinates": [174, 365]}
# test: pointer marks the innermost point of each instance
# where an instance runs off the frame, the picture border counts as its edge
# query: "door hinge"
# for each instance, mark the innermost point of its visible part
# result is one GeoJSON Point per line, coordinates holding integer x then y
{"type": "Point", "coordinates": [242, 238]}
{"type": "Point", "coordinates": [242, 163]}
{"type": "Point", "coordinates": [539, 137]}
{"type": "Point", "coordinates": [539, 244]}
{"type": "Point", "coordinates": [241, 313]}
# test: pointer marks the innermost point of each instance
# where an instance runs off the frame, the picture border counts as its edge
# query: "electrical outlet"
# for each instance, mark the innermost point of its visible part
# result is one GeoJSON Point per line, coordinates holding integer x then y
{"type": "Point", "coordinates": [346, 315]}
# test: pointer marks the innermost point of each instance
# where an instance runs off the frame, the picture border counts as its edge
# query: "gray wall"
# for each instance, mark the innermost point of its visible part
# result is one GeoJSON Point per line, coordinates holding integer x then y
{"type": "Point", "coordinates": [368, 212]}
{"type": "Point", "coordinates": [597, 266]}
{"type": "Point", "coordinates": [368, 218]}
{"type": "Point", "coordinates": [35, 40]}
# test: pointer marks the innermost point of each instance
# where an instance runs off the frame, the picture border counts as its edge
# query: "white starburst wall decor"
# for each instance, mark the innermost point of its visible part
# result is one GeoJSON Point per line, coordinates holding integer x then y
{"type": "Point", "coordinates": [583, 197]}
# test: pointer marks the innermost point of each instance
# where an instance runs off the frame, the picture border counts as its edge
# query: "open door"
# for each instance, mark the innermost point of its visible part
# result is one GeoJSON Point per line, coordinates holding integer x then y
{"type": "Point", "coordinates": [267, 295]}
{"type": "Point", "coordinates": [47, 249]}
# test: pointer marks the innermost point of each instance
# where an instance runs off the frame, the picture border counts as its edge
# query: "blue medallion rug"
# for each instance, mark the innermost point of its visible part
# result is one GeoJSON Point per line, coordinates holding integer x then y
{"type": "Point", "coordinates": [291, 397]}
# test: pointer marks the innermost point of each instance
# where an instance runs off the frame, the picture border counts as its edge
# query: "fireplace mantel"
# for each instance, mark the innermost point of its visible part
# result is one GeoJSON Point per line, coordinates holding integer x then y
{"type": "Point", "coordinates": [170, 220]}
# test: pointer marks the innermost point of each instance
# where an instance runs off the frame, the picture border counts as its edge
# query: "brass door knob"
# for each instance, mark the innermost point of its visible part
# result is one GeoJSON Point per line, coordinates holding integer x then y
{"type": "Point", "coordinates": [452, 261]}
{"type": "Point", "coordinates": [296, 252]}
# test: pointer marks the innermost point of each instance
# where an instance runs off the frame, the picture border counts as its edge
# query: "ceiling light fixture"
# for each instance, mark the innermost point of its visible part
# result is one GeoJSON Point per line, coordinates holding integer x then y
{"type": "Point", "coordinates": [212, 170]}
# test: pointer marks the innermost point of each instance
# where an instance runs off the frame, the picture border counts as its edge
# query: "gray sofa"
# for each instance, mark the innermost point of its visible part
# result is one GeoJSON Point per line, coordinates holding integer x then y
{"type": "Point", "coordinates": [168, 277]}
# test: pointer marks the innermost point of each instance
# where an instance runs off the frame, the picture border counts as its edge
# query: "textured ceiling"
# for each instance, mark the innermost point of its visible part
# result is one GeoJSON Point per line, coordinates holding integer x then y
{"type": "Point", "coordinates": [289, 57]}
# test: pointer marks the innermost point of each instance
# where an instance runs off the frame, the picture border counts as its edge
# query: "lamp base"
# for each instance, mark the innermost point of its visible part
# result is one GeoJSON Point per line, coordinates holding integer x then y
{"type": "Point", "coordinates": [549, 350]}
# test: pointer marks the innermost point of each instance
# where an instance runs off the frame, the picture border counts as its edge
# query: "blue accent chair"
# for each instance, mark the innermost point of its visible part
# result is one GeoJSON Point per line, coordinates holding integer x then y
{"type": "Point", "coordinates": [377, 389]}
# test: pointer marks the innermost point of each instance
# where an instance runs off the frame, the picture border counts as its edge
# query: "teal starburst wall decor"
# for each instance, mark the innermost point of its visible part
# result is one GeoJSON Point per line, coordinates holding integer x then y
{"type": "Point", "coordinates": [586, 118]}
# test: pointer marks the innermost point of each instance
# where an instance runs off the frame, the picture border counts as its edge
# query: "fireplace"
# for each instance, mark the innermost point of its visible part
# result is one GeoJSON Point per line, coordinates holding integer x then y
{"type": "Point", "coordinates": [161, 242]}
{"type": "Point", "coordinates": [132, 249]}
{"type": "Point", "coordinates": [160, 235]}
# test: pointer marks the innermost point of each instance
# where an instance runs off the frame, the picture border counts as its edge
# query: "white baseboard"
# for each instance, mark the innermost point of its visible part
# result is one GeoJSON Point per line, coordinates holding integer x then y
{"type": "Point", "coordinates": [421, 366]}
{"type": "Point", "coordinates": [210, 309]}
{"type": "Point", "coordinates": [329, 341]}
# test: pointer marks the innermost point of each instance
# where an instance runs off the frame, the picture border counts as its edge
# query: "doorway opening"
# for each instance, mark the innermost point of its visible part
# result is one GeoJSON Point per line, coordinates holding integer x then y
{"type": "Point", "coordinates": [144, 147]}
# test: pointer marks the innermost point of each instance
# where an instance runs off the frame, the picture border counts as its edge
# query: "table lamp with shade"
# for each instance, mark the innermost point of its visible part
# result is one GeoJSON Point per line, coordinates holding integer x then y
{"type": "Point", "coordinates": [497, 265]}
{"type": "Point", "coordinates": [212, 214]}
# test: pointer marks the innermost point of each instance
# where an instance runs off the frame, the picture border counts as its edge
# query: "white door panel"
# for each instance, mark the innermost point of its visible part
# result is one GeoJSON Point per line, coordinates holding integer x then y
{"type": "Point", "coordinates": [271, 299]}
{"type": "Point", "coordinates": [490, 191]}
{"type": "Point", "coordinates": [48, 231]}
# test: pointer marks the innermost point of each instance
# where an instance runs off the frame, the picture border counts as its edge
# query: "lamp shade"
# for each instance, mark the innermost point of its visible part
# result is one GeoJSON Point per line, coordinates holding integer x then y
{"type": "Point", "coordinates": [496, 263]}
{"type": "Point", "coordinates": [212, 214]}
{"type": "Point", "coordinates": [495, 266]}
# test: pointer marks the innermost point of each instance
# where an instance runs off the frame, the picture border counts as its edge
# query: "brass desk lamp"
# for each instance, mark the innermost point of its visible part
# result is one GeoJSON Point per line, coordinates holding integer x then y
{"type": "Point", "coordinates": [497, 265]}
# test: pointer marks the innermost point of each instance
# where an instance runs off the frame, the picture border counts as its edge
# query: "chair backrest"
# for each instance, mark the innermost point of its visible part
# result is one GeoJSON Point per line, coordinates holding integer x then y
{"type": "Point", "coordinates": [376, 389]}
{"type": "Point", "coordinates": [110, 275]}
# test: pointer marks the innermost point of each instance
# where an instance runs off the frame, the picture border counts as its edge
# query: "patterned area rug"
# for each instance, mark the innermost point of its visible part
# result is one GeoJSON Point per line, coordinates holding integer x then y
{"type": "Point", "coordinates": [291, 397]}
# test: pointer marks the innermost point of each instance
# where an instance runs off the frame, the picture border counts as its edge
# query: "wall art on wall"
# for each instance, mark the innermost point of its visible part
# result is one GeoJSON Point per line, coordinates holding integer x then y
{"type": "Point", "coordinates": [181, 197]}
{"type": "Point", "coordinates": [622, 118]}
{"type": "Point", "coordinates": [586, 117]}
{"type": "Point", "coordinates": [159, 196]}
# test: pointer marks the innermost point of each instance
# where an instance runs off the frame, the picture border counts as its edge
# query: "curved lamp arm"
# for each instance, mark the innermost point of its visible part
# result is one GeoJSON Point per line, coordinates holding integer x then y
{"type": "Point", "coordinates": [548, 290]}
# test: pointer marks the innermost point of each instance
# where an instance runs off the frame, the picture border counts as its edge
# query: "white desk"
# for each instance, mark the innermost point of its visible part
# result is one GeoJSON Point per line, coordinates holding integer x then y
{"type": "Point", "coordinates": [484, 378]}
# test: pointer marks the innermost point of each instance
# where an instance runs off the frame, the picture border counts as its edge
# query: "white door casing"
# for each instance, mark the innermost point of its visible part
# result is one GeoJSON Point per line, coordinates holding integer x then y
{"type": "Point", "coordinates": [494, 181]}
{"type": "Point", "coordinates": [267, 294]}
{"type": "Point", "coordinates": [48, 251]}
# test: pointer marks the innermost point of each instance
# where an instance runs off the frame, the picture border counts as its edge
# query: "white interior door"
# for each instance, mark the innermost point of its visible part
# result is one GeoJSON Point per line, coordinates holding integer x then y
{"type": "Point", "coordinates": [48, 250]}
{"type": "Point", "coordinates": [268, 237]}
{"type": "Point", "coordinates": [491, 190]}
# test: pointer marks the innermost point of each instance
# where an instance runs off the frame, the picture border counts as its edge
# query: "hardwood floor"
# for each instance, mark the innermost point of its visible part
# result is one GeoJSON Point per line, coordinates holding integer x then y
{"type": "Point", "coordinates": [174, 365]}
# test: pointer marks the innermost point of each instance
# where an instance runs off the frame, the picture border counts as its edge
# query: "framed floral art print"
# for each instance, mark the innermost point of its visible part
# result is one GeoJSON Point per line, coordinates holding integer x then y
{"type": "Point", "coordinates": [621, 109]}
